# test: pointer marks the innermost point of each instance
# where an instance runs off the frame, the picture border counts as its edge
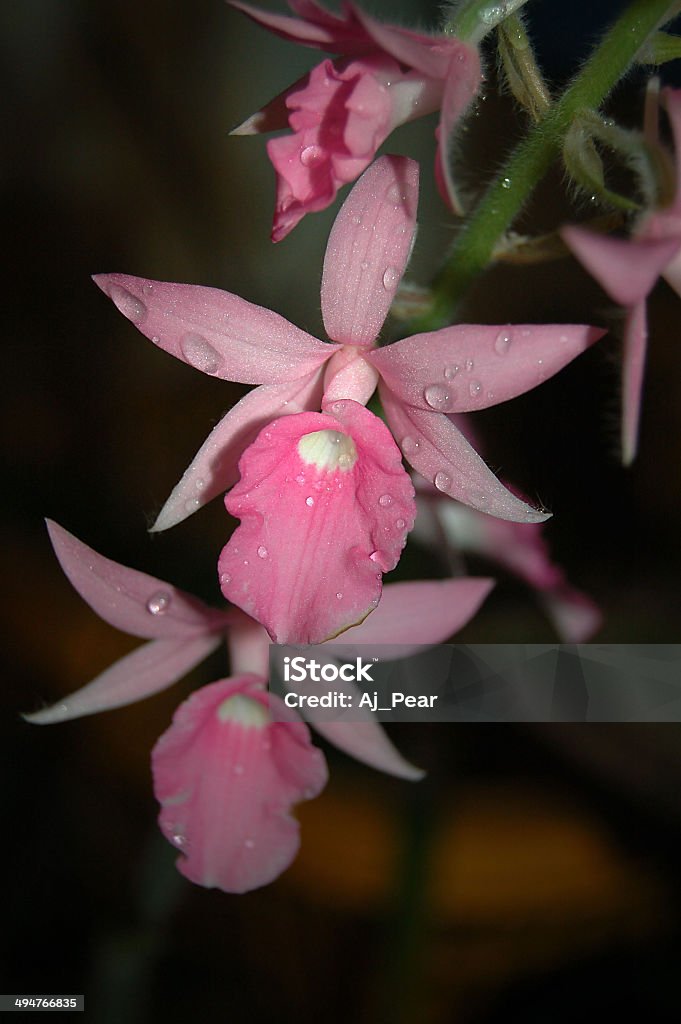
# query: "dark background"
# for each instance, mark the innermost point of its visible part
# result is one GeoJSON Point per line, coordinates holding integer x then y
{"type": "Point", "coordinates": [536, 871]}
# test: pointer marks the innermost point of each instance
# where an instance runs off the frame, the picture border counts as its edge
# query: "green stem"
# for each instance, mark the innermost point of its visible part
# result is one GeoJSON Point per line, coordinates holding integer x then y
{"type": "Point", "coordinates": [535, 154]}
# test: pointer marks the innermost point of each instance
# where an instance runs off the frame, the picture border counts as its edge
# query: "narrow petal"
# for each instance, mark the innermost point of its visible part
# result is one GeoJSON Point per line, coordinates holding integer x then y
{"type": "Point", "coordinates": [575, 616]}
{"type": "Point", "coordinates": [271, 118]}
{"type": "Point", "coordinates": [633, 368]}
{"type": "Point", "coordinates": [672, 102]}
{"type": "Point", "coordinates": [295, 30]}
{"type": "Point", "coordinates": [427, 54]}
{"type": "Point", "coordinates": [368, 742]}
{"type": "Point", "coordinates": [461, 86]}
{"type": "Point", "coordinates": [626, 269]}
{"type": "Point", "coordinates": [420, 613]}
{"type": "Point", "coordinates": [439, 452]}
{"type": "Point", "coordinates": [325, 507]}
{"type": "Point", "coordinates": [216, 332]}
{"type": "Point", "coordinates": [215, 467]}
{"type": "Point", "coordinates": [130, 600]}
{"type": "Point", "coordinates": [471, 366]}
{"type": "Point", "coordinates": [368, 249]}
{"type": "Point", "coordinates": [151, 668]}
{"type": "Point", "coordinates": [226, 777]}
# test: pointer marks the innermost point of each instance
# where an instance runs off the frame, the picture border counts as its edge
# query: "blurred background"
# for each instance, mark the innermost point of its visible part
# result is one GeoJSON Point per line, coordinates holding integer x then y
{"type": "Point", "coordinates": [536, 871]}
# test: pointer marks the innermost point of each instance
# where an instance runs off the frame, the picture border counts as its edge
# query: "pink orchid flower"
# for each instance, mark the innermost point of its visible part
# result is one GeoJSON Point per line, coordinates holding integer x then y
{"type": "Point", "coordinates": [422, 380]}
{"type": "Point", "coordinates": [235, 760]}
{"type": "Point", "coordinates": [627, 270]}
{"type": "Point", "coordinates": [519, 548]}
{"type": "Point", "coordinates": [343, 110]}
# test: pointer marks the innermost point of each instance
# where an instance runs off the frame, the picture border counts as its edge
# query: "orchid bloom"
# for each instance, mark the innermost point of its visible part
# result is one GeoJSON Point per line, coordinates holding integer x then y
{"type": "Point", "coordinates": [235, 759]}
{"type": "Point", "coordinates": [422, 379]}
{"type": "Point", "coordinates": [627, 270]}
{"type": "Point", "coordinates": [343, 110]}
{"type": "Point", "coordinates": [520, 548]}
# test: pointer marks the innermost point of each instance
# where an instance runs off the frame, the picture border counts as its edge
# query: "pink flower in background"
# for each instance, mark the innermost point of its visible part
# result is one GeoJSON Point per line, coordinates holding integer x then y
{"type": "Point", "coordinates": [627, 270]}
{"type": "Point", "coordinates": [343, 110]}
{"type": "Point", "coordinates": [519, 548]}
{"type": "Point", "coordinates": [234, 760]}
{"type": "Point", "coordinates": [423, 379]}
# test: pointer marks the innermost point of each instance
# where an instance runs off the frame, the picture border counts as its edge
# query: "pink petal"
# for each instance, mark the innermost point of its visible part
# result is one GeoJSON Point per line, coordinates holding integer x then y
{"type": "Point", "coordinates": [468, 367]}
{"type": "Point", "coordinates": [672, 102]}
{"type": "Point", "coordinates": [148, 670]}
{"type": "Point", "coordinates": [349, 375]}
{"type": "Point", "coordinates": [129, 600]}
{"type": "Point", "coordinates": [216, 332]}
{"type": "Point", "coordinates": [226, 777]}
{"type": "Point", "coordinates": [461, 86]}
{"type": "Point", "coordinates": [633, 368]}
{"type": "Point", "coordinates": [626, 269]}
{"type": "Point", "coordinates": [368, 742]}
{"type": "Point", "coordinates": [672, 274]}
{"type": "Point", "coordinates": [215, 467]}
{"type": "Point", "coordinates": [317, 532]}
{"type": "Point", "coordinates": [339, 116]}
{"type": "Point", "coordinates": [427, 54]}
{"type": "Point", "coordinates": [416, 614]}
{"type": "Point", "coordinates": [319, 28]}
{"type": "Point", "coordinates": [368, 249]}
{"type": "Point", "coordinates": [438, 450]}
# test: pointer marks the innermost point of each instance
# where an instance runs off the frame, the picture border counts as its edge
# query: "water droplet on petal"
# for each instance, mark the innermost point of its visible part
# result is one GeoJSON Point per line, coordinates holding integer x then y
{"type": "Point", "coordinates": [450, 372]}
{"type": "Point", "coordinates": [364, 264]}
{"type": "Point", "coordinates": [179, 840]}
{"type": "Point", "coordinates": [475, 387]}
{"type": "Point", "coordinates": [438, 397]}
{"type": "Point", "coordinates": [442, 481]}
{"type": "Point", "coordinates": [300, 479]}
{"type": "Point", "coordinates": [309, 501]}
{"type": "Point", "coordinates": [200, 483]}
{"type": "Point", "coordinates": [158, 603]}
{"type": "Point", "coordinates": [200, 354]}
{"type": "Point", "coordinates": [385, 500]}
{"type": "Point", "coordinates": [394, 194]}
{"type": "Point", "coordinates": [192, 505]}
{"type": "Point", "coordinates": [262, 551]}
{"type": "Point", "coordinates": [128, 304]}
{"type": "Point", "coordinates": [409, 445]}
{"type": "Point", "coordinates": [469, 365]}
{"type": "Point", "coordinates": [311, 155]}
{"type": "Point", "coordinates": [339, 596]}
{"type": "Point", "coordinates": [390, 278]}
{"type": "Point", "coordinates": [505, 182]}
{"type": "Point", "coordinates": [502, 342]}
{"type": "Point", "coordinates": [225, 578]}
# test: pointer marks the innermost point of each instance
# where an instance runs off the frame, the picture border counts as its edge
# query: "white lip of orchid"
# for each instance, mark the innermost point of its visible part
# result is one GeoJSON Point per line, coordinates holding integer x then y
{"type": "Point", "coordinates": [243, 711]}
{"type": "Point", "coordinates": [328, 450]}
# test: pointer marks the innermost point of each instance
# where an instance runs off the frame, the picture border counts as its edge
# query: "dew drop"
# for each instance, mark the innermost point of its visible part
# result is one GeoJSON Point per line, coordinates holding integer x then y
{"type": "Point", "coordinates": [246, 562]}
{"type": "Point", "coordinates": [450, 372]}
{"type": "Point", "coordinates": [390, 278]}
{"type": "Point", "coordinates": [128, 304]}
{"type": "Point", "coordinates": [438, 397]}
{"type": "Point", "coordinates": [200, 354]}
{"type": "Point", "coordinates": [409, 445]}
{"type": "Point", "coordinates": [400, 524]}
{"type": "Point", "coordinates": [311, 155]}
{"type": "Point", "coordinates": [262, 551]}
{"type": "Point", "coordinates": [505, 182]}
{"type": "Point", "coordinates": [179, 840]}
{"type": "Point", "coordinates": [300, 479]}
{"type": "Point", "coordinates": [309, 501]}
{"type": "Point", "coordinates": [192, 505]}
{"type": "Point", "coordinates": [502, 342]}
{"type": "Point", "coordinates": [339, 596]}
{"type": "Point", "coordinates": [200, 483]}
{"type": "Point", "coordinates": [158, 603]}
{"type": "Point", "coordinates": [364, 264]}
{"type": "Point", "coordinates": [469, 365]}
{"type": "Point", "coordinates": [475, 387]}
{"type": "Point", "coordinates": [225, 578]}
{"type": "Point", "coordinates": [394, 194]}
{"type": "Point", "coordinates": [155, 339]}
{"type": "Point", "coordinates": [148, 287]}
{"type": "Point", "coordinates": [385, 500]}
{"type": "Point", "coordinates": [442, 481]}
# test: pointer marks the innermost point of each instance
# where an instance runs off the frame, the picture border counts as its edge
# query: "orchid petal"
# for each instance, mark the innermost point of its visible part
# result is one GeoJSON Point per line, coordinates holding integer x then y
{"type": "Point", "coordinates": [367, 742]}
{"type": "Point", "coordinates": [575, 616]}
{"type": "Point", "coordinates": [151, 668]}
{"type": "Point", "coordinates": [633, 368]}
{"type": "Point", "coordinates": [226, 777]}
{"type": "Point", "coordinates": [216, 332]}
{"type": "Point", "coordinates": [469, 366]}
{"type": "Point", "coordinates": [626, 269]}
{"type": "Point", "coordinates": [368, 249]}
{"type": "Point", "coordinates": [431, 56]}
{"type": "Point", "coordinates": [412, 615]}
{"type": "Point", "coordinates": [130, 600]}
{"type": "Point", "coordinates": [461, 86]}
{"type": "Point", "coordinates": [215, 467]}
{"type": "Point", "coordinates": [349, 375]}
{"type": "Point", "coordinates": [438, 450]}
{"type": "Point", "coordinates": [672, 102]}
{"type": "Point", "coordinates": [308, 33]}
{"type": "Point", "coordinates": [319, 524]}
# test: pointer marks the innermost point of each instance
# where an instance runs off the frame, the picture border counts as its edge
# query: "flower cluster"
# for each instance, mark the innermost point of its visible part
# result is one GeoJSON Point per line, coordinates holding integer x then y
{"type": "Point", "coordinates": [319, 481]}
